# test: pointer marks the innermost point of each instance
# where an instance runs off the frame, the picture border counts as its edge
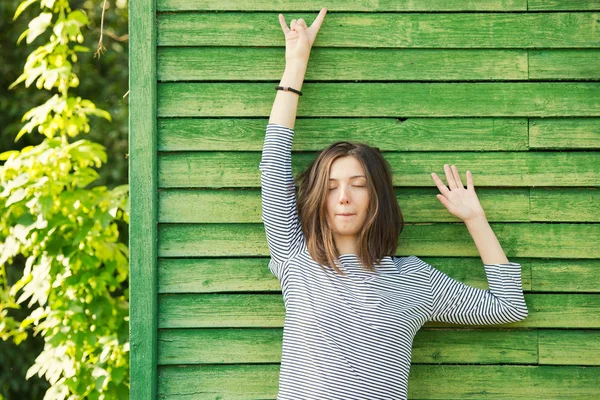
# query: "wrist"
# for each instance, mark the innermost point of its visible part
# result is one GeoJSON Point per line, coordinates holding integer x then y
{"type": "Point", "coordinates": [295, 69]}
{"type": "Point", "coordinates": [477, 220]}
{"type": "Point", "coordinates": [293, 76]}
{"type": "Point", "coordinates": [296, 64]}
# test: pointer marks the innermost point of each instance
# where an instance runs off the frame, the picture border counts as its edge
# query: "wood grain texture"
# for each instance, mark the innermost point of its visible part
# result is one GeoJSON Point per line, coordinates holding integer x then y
{"type": "Point", "coordinates": [430, 346]}
{"type": "Point", "coordinates": [214, 275]}
{"type": "Point", "coordinates": [507, 89]}
{"type": "Point", "coordinates": [564, 240]}
{"type": "Point", "coordinates": [379, 64]}
{"type": "Point", "coordinates": [556, 310]}
{"type": "Point", "coordinates": [425, 382]}
{"type": "Point", "coordinates": [417, 205]}
{"type": "Point", "coordinates": [250, 274]}
{"type": "Point", "coordinates": [448, 346]}
{"type": "Point", "coordinates": [357, 64]}
{"type": "Point", "coordinates": [143, 200]}
{"type": "Point", "coordinates": [337, 5]}
{"type": "Point", "coordinates": [512, 169]}
{"type": "Point", "coordinates": [545, 204]}
{"type": "Point", "coordinates": [485, 99]}
{"type": "Point", "coordinates": [397, 30]}
{"type": "Point", "coordinates": [386, 133]}
{"type": "Point", "coordinates": [381, 5]}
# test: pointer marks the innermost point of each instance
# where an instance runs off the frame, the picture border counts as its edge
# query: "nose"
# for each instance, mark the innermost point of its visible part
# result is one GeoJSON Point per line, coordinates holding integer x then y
{"type": "Point", "coordinates": [344, 197]}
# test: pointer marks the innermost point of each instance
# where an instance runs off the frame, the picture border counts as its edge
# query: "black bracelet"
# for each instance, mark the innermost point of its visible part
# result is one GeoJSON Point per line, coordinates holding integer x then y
{"type": "Point", "coordinates": [288, 89]}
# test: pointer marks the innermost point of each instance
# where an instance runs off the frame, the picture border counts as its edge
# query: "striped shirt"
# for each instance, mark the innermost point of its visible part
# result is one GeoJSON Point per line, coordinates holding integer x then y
{"type": "Point", "coordinates": [351, 337]}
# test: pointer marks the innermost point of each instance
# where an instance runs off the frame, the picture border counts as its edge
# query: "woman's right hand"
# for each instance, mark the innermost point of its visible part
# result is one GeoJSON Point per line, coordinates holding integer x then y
{"type": "Point", "coordinates": [299, 38]}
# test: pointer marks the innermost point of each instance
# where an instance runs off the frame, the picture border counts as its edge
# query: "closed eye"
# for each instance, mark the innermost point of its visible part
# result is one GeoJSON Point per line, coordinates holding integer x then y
{"type": "Point", "coordinates": [352, 185]}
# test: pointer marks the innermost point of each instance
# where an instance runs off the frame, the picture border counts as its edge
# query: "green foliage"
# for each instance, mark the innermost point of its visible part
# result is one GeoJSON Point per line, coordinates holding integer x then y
{"type": "Point", "coordinates": [75, 269]}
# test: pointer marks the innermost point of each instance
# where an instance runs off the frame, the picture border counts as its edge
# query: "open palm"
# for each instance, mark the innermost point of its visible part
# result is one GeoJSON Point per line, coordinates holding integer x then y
{"type": "Point", "coordinates": [299, 38]}
{"type": "Point", "coordinates": [460, 202]}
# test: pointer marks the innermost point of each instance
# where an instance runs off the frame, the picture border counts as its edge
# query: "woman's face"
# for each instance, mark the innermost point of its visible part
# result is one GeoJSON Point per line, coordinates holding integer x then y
{"type": "Point", "coordinates": [347, 194]}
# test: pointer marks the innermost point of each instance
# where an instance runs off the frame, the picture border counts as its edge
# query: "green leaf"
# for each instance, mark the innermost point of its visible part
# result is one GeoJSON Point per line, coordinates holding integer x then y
{"type": "Point", "coordinates": [7, 154]}
{"type": "Point", "coordinates": [79, 16]}
{"type": "Point", "coordinates": [23, 35]}
{"type": "Point", "coordinates": [79, 48]}
{"type": "Point", "coordinates": [22, 7]}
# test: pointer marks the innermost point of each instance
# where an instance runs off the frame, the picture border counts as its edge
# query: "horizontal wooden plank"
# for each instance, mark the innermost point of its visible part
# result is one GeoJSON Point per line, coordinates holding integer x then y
{"type": "Point", "coordinates": [564, 133]}
{"type": "Point", "coordinates": [267, 310]}
{"type": "Point", "coordinates": [328, 64]}
{"type": "Point", "coordinates": [447, 346]}
{"type": "Point", "coordinates": [564, 64]}
{"type": "Point", "coordinates": [515, 169]}
{"type": "Point", "coordinates": [332, 6]}
{"type": "Point", "coordinates": [397, 30]}
{"type": "Point", "coordinates": [553, 204]}
{"type": "Point", "coordinates": [396, 5]}
{"type": "Point", "coordinates": [331, 64]}
{"type": "Point", "coordinates": [410, 99]}
{"type": "Point", "coordinates": [388, 134]}
{"type": "Point", "coordinates": [565, 240]}
{"type": "Point", "coordinates": [569, 347]}
{"type": "Point", "coordinates": [417, 204]}
{"type": "Point", "coordinates": [444, 346]}
{"type": "Point", "coordinates": [425, 382]}
{"type": "Point", "coordinates": [565, 275]}
{"type": "Point", "coordinates": [212, 275]}
{"type": "Point", "coordinates": [541, 5]}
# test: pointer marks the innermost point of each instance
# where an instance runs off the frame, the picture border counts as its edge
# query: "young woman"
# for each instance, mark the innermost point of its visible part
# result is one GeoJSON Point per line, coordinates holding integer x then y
{"type": "Point", "coordinates": [352, 307]}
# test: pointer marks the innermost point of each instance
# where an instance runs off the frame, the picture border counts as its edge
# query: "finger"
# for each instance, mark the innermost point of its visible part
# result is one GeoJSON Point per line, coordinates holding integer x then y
{"type": "Point", "coordinates": [457, 176]}
{"type": "Point", "coordinates": [284, 26]}
{"type": "Point", "coordinates": [319, 20]}
{"type": "Point", "coordinates": [470, 185]}
{"type": "Point", "coordinates": [293, 24]}
{"type": "Point", "coordinates": [446, 203]}
{"type": "Point", "coordinates": [449, 177]}
{"type": "Point", "coordinates": [301, 29]}
{"type": "Point", "coordinates": [440, 185]}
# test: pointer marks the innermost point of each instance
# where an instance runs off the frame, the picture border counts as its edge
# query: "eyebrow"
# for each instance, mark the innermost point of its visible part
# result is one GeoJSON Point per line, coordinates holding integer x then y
{"type": "Point", "coordinates": [352, 177]}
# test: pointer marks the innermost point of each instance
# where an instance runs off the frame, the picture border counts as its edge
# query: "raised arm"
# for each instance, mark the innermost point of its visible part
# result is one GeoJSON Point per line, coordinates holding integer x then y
{"type": "Point", "coordinates": [455, 302]}
{"type": "Point", "coordinates": [279, 212]}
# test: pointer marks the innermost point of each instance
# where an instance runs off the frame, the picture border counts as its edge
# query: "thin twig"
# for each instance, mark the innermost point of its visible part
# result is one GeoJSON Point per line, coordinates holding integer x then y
{"type": "Point", "coordinates": [121, 38]}
{"type": "Point", "coordinates": [101, 47]}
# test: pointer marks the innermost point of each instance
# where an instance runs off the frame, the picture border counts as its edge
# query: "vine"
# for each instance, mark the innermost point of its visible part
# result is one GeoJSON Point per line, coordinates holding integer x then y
{"type": "Point", "coordinates": [76, 271]}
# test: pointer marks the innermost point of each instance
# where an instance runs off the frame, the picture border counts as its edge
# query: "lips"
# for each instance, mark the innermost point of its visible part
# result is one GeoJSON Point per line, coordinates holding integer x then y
{"type": "Point", "coordinates": [345, 215]}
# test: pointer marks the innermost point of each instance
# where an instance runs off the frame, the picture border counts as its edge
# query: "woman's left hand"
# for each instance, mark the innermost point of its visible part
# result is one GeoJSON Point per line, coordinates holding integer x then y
{"type": "Point", "coordinates": [460, 202]}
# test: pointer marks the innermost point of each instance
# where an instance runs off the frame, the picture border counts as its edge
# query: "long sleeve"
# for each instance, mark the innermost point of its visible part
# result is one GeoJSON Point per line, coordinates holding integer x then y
{"type": "Point", "coordinates": [455, 302]}
{"type": "Point", "coordinates": [279, 213]}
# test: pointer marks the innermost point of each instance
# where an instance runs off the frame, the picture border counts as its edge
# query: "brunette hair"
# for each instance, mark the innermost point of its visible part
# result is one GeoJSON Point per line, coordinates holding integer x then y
{"type": "Point", "coordinates": [384, 222]}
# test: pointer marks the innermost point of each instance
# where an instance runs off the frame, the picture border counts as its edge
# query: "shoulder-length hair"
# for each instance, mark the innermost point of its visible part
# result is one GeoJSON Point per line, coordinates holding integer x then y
{"type": "Point", "coordinates": [384, 222]}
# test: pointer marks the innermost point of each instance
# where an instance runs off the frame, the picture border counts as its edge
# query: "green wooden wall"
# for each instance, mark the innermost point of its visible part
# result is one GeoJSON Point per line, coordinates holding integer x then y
{"type": "Point", "coordinates": [509, 89]}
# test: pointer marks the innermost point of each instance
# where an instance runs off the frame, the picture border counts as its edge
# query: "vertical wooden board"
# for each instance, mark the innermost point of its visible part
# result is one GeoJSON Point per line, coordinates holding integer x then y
{"type": "Point", "coordinates": [143, 196]}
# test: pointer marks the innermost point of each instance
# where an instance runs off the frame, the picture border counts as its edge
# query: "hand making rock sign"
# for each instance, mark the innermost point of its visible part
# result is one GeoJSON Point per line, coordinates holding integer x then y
{"type": "Point", "coordinates": [299, 38]}
{"type": "Point", "coordinates": [460, 202]}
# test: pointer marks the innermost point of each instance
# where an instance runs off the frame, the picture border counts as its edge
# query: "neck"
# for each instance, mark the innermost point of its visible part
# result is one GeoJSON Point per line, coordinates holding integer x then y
{"type": "Point", "coordinates": [346, 244]}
